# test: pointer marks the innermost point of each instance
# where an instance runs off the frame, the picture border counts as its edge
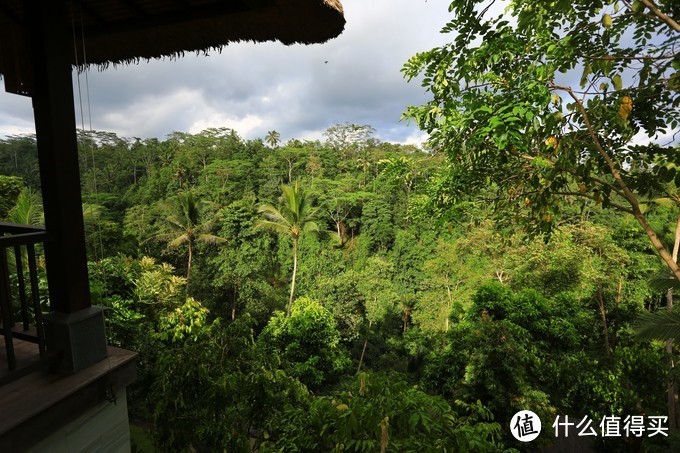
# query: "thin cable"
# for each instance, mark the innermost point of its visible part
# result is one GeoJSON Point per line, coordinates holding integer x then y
{"type": "Point", "coordinates": [75, 51]}
{"type": "Point", "coordinates": [80, 91]}
{"type": "Point", "coordinates": [89, 119]}
{"type": "Point", "coordinates": [94, 164]}
{"type": "Point", "coordinates": [89, 116]}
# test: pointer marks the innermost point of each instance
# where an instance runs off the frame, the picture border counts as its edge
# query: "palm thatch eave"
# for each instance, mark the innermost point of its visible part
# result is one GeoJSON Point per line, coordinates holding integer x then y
{"type": "Point", "coordinates": [128, 31]}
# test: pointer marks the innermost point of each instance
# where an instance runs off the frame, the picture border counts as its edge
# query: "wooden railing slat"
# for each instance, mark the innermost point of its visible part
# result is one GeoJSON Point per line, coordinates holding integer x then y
{"type": "Point", "coordinates": [21, 239]}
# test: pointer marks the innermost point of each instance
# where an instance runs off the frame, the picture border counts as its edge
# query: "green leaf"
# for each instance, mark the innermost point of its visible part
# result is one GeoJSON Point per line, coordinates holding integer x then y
{"type": "Point", "coordinates": [587, 70]}
{"type": "Point", "coordinates": [659, 326]}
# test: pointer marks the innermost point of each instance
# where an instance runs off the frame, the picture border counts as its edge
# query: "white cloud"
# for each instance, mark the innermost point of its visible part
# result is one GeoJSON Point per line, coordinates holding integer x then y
{"type": "Point", "coordinates": [16, 115]}
{"type": "Point", "coordinates": [244, 126]}
{"type": "Point", "coordinates": [663, 139]}
{"type": "Point", "coordinates": [416, 138]}
{"type": "Point", "coordinates": [298, 90]}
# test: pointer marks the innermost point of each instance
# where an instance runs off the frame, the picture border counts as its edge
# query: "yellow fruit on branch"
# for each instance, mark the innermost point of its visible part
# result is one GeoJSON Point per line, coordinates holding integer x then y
{"type": "Point", "coordinates": [625, 107]}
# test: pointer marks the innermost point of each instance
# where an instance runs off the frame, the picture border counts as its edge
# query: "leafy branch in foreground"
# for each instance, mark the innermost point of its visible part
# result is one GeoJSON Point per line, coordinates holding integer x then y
{"type": "Point", "coordinates": [661, 325]}
{"type": "Point", "coordinates": [509, 109]}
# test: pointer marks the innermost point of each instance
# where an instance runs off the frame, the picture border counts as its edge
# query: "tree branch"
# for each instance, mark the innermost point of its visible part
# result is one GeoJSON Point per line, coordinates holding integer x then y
{"type": "Point", "coordinates": [669, 21]}
{"type": "Point", "coordinates": [616, 206]}
{"type": "Point", "coordinates": [627, 57]}
{"type": "Point", "coordinates": [600, 181]}
{"type": "Point", "coordinates": [627, 193]}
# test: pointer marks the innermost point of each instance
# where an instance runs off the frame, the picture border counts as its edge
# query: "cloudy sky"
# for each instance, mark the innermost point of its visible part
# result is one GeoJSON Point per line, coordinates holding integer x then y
{"type": "Point", "coordinates": [298, 91]}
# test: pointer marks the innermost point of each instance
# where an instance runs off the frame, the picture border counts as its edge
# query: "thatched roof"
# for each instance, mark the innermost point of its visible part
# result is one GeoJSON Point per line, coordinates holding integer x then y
{"type": "Point", "coordinates": [124, 31]}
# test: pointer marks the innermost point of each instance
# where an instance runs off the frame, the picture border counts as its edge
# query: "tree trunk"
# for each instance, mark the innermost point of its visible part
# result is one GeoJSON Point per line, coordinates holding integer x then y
{"type": "Point", "coordinates": [233, 305]}
{"type": "Point", "coordinates": [605, 328]}
{"type": "Point", "coordinates": [363, 350]}
{"type": "Point", "coordinates": [672, 385]}
{"type": "Point", "coordinates": [625, 191]}
{"type": "Point", "coordinates": [189, 265]}
{"type": "Point", "coordinates": [292, 285]}
{"type": "Point", "coordinates": [668, 259]}
{"type": "Point", "coordinates": [448, 311]}
{"type": "Point", "coordinates": [617, 313]}
{"type": "Point", "coordinates": [676, 245]}
{"type": "Point", "coordinates": [407, 313]}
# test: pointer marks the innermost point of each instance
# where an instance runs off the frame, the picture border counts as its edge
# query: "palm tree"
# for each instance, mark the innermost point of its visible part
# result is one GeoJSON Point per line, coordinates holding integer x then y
{"type": "Point", "coordinates": [28, 209]}
{"type": "Point", "coordinates": [273, 138]}
{"type": "Point", "coordinates": [187, 227]}
{"type": "Point", "coordinates": [293, 218]}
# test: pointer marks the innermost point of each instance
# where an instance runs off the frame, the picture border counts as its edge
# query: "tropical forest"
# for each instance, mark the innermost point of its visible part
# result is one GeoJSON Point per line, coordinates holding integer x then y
{"type": "Point", "coordinates": [352, 294]}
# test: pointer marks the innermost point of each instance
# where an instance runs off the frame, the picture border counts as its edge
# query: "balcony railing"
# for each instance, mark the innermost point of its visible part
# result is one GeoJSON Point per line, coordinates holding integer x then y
{"type": "Point", "coordinates": [20, 309]}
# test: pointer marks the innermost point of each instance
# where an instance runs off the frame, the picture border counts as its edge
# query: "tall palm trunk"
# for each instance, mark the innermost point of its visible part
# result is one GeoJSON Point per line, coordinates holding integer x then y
{"type": "Point", "coordinates": [189, 265]}
{"type": "Point", "coordinates": [292, 285]}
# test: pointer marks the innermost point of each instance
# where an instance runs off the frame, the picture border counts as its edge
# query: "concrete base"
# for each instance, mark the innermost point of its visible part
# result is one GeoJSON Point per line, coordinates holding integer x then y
{"type": "Point", "coordinates": [81, 336]}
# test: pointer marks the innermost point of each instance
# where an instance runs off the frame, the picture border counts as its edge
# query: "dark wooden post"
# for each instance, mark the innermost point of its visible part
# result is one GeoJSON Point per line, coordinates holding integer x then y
{"type": "Point", "coordinates": [55, 125]}
{"type": "Point", "coordinates": [73, 327]}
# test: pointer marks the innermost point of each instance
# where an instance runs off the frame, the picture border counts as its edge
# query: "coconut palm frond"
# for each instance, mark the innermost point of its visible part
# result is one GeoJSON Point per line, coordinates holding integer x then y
{"type": "Point", "coordinates": [667, 202]}
{"type": "Point", "coordinates": [311, 227]}
{"type": "Point", "coordinates": [659, 326]}
{"type": "Point", "coordinates": [274, 215]}
{"type": "Point", "coordinates": [176, 224]}
{"type": "Point", "coordinates": [293, 218]}
{"type": "Point", "coordinates": [276, 227]}
{"type": "Point", "coordinates": [210, 239]}
{"type": "Point", "coordinates": [663, 283]}
{"type": "Point", "coordinates": [28, 209]}
{"type": "Point", "coordinates": [179, 240]}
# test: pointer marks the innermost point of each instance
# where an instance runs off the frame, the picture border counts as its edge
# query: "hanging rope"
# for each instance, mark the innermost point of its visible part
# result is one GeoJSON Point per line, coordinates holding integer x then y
{"type": "Point", "coordinates": [89, 115]}
{"type": "Point", "coordinates": [91, 143]}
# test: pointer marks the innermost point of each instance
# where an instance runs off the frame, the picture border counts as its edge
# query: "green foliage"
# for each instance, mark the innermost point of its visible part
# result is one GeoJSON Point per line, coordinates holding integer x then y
{"type": "Point", "coordinates": [102, 234]}
{"type": "Point", "coordinates": [378, 223]}
{"type": "Point", "coordinates": [294, 218]}
{"type": "Point", "coordinates": [381, 412]}
{"type": "Point", "coordinates": [183, 323]}
{"type": "Point", "coordinates": [308, 343]}
{"type": "Point", "coordinates": [452, 273]}
{"type": "Point", "coordinates": [19, 157]}
{"type": "Point", "coordinates": [215, 386]}
{"type": "Point", "coordinates": [341, 296]}
{"type": "Point", "coordinates": [244, 265]}
{"type": "Point", "coordinates": [504, 112]}
{"type": "Point", "coordinates": [27, 209]}
{"type": "Point", "coordinates": [660, 325]}
{"type": "Point", "coordinates": [404, 292]}
{"type": "Point", "coordinates": [186, 224]}
{"type": "Point", "coordinates": [10, 187]}
{"type": "Point", "coordinates": [140, 440]}
{"type": "Point", "coordinates": [554, 324]}
{"type": "Point", "coordinates": [516, 350]}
